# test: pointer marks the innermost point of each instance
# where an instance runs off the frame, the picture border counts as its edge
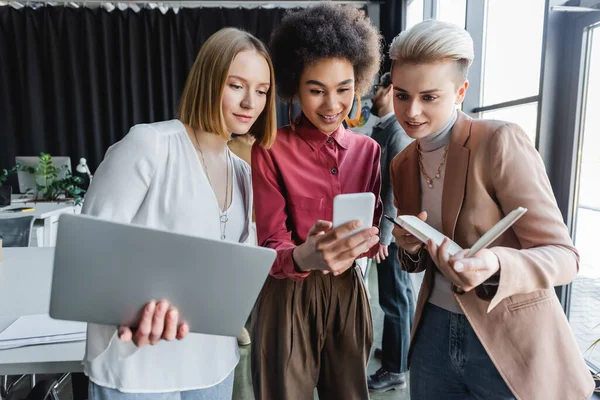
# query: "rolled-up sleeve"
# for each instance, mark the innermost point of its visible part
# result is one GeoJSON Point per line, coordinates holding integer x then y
{"type": "Point", "coordinates": [375, 188]}
{"type": "Point", "coordinates": [271, 214]}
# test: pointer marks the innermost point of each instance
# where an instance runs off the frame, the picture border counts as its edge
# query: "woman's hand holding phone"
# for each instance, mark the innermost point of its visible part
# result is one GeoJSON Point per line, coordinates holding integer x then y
{"type": "Point", "coordinates": [329, 249]}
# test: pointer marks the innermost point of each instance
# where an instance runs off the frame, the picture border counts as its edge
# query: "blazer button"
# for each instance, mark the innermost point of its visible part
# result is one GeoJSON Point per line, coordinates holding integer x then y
{"type": "Point", "coordinates": [334, 170]}
{"type": "Point", "coordinates": [457, 290]}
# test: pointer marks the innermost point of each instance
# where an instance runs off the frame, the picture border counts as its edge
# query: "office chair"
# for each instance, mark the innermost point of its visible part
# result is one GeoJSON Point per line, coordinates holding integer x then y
{"type": "Point", "coordinates": [16, 231]}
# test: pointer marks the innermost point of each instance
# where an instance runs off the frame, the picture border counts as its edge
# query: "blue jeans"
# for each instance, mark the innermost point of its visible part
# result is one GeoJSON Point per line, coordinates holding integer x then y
{"type": "Point", "coordinates": [221, 391]}
{"type": "Point", "coordinates": [448, 362]}
{"type": "Point", "coordinates": [397, 301]}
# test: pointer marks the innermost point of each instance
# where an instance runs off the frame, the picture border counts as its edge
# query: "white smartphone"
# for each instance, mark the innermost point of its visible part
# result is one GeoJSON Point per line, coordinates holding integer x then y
{"type": "Point", "coordinates": [348, 207]}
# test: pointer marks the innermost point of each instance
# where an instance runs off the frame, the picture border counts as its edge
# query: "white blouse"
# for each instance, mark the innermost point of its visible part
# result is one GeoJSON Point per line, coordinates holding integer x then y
{"type": "Point", "coordinates": [153, 177]}
{"type": "Point", "coordinates": [236, 216]}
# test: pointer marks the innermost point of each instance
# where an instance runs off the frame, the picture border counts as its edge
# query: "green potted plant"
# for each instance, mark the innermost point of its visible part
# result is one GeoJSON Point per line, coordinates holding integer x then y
{"type": "Point", "coordinates": [55, 184]}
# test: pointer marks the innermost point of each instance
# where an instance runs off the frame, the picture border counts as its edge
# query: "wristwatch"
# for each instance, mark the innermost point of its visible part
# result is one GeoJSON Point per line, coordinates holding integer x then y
{"type": "Point", "coordinates": [457, 290]}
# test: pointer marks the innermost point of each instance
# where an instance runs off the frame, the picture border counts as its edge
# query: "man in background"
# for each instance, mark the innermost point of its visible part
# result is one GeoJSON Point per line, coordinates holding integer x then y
{"type": "Point", "coordinates": [396, 294]}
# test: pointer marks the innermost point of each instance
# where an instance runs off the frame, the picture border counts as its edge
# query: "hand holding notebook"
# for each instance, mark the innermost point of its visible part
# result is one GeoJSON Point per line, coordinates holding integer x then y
{"type": "Point", "coordinates": [423, 231]}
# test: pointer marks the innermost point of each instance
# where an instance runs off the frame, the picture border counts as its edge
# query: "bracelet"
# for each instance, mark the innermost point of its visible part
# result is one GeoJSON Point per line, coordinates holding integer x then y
{"type": "Point", "coordinates": [409, 256]}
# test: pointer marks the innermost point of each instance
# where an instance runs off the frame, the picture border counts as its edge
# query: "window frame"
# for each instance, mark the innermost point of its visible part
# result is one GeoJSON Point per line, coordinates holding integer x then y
{"type": "Point", "coordinates": [475, 24]}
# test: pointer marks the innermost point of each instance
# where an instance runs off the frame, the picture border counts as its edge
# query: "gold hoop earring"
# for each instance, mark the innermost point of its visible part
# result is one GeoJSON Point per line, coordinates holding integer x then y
{"type": "Point", "coordinates": [354, 121]}
{"type": "Point", "coordinates": [290, 116]}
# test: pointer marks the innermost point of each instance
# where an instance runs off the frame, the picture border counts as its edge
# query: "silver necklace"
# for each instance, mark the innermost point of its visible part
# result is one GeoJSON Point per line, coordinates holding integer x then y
{"type": "Point", "coordinates": [222, 214]}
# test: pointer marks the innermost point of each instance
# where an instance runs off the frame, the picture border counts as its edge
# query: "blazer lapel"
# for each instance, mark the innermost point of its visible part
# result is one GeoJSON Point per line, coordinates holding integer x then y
{"type": "Point", "coordinates": [455, 179]}
{"type": "Point", "coordinates": [411, 182]}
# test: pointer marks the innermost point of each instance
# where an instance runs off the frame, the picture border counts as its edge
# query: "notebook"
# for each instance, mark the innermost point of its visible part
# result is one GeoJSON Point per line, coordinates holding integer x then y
{"type": "Point", "coordinates": [423, 231]}
{"type": "Point", "coordinates": [31, 330]}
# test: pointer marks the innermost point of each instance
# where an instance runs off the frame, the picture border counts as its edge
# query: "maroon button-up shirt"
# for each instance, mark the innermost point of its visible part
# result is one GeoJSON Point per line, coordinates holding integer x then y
{"type": "Point", "coordinates": [296, 180]}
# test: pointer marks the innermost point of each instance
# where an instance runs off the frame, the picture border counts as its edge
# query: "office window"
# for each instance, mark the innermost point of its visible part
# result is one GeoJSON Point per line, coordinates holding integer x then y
{"type": "Point", "coordinates": [513, 50]}
{"type": "Point", "coordinates": [585, 302]}
{"type": "Point", "coordinates": [454, 11]}
{"type": "Point", "coordinates": [414, 13]}
{"type": "Point", "coordinates": [524, 115]}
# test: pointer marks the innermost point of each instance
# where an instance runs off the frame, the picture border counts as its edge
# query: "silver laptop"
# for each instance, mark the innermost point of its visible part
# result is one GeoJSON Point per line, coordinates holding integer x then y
{"type": "Point", "coordinates": [105, 272]}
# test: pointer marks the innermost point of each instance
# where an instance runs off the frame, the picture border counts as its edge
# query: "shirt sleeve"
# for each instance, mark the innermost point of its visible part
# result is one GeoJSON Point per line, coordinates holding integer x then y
{"type": "Point", "coordinates": [271, 214]}
{"type": "Point", "coordinates": [116, 193]}
{"type": "Point", "coordinates": [547, 257]}
{"type": "Point", "coordinates": [121, 182]}
{"type": "Point", "coordinates": [397, 142]}
{"type": "Point", "coordinates": [375, 188]}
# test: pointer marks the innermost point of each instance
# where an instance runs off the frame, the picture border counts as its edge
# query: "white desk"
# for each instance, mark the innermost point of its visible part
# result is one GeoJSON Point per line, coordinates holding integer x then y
{"type": "Point", "coordinates": [25, 279]}
{"type": "Point", "coordinates": [46, 212]}
{"type": "Point", "coordinates": [20, 198]}
{"type": "Point", "coordinates": [43, 359]}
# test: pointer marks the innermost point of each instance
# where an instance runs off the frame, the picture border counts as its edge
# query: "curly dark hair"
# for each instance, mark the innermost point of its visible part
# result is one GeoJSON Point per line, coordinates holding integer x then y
{"type": "Point", "coordinates": [324, 31]}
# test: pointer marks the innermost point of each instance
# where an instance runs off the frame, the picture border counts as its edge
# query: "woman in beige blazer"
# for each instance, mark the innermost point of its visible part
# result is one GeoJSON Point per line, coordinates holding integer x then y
{"type": "Point", "coordinates": [487, 327]}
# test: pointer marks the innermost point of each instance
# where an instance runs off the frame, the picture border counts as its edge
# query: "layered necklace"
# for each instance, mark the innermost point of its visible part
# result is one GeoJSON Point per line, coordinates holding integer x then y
{"type": "Point", "coordinates": [438, 173]}
{"type": "Point", "coordinates": [222, 213]}
{"type": "Point", "coordinates": [440, 135]}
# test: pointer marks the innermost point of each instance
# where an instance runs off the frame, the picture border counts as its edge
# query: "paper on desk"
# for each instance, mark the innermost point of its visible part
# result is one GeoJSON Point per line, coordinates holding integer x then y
{"type": "Point", "coordinates": [40, 329]}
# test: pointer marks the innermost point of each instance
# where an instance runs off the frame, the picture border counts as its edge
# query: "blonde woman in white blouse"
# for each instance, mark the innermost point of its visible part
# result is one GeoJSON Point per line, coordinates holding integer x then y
{"type": "Point", "coordinates": [179, 175]}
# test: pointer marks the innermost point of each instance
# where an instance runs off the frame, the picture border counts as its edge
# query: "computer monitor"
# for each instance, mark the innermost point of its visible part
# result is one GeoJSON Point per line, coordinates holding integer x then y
{"type": "Point", "coordinates": [27, 181]}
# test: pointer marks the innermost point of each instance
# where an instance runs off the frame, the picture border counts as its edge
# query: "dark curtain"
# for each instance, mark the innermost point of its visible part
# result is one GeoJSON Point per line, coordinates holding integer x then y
{"type": "Point", "coordinates": [390, 23]}
{"type": "Point", "coordinates": [73, 81]}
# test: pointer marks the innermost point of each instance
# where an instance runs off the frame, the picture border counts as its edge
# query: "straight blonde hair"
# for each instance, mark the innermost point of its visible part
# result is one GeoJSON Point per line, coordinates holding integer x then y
{"type": "Point", "coordinates": [201, 102]}
{"type": "Point", "coordinates": [434, 41]}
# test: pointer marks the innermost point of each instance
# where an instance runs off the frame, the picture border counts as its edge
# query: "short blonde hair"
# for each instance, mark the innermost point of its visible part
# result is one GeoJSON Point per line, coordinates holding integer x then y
{"type": "Point", "coordinates": [433, 41]}
{"type": "Point", "coordinates": [201, 102]}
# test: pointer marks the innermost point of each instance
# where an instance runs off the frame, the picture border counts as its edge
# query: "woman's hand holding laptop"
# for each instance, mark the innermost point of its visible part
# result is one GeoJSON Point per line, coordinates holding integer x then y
{"type": "Point", "coordinates": [159, 321]}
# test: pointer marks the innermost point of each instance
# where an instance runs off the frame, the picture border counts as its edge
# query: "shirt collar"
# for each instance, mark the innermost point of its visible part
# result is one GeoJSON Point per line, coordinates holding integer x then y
{"type": "Point", "coordinates": [315, 138]}
{"type": "Point", "coordinates": [385, 118]}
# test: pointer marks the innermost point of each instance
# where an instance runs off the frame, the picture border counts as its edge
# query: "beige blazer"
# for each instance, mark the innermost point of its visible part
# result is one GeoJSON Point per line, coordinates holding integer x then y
{"type": "Point", "coordinates": [492, 168]}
